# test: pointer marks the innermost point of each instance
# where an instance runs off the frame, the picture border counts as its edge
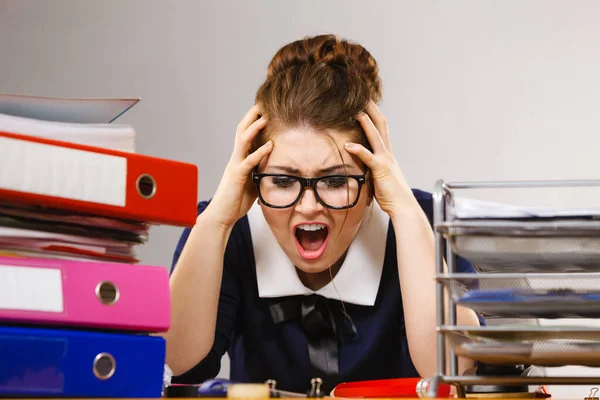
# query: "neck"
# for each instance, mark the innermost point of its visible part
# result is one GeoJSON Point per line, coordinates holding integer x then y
{"type": "Point", "coordinates": [315, 281]}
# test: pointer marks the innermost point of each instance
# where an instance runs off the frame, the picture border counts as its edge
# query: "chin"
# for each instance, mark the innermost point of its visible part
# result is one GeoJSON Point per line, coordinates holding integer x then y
{"type": "Point", "coordinates": [313, 267]}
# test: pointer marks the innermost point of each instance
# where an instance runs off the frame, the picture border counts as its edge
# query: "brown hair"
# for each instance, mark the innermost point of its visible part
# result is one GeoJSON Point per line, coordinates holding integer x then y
{"type": "Point", "coordinates": [320, 82]}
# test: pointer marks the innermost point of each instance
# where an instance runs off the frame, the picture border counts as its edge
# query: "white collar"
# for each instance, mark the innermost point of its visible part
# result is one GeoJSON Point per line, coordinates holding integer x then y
{"type": "Point", "coordinates": [358, 279]}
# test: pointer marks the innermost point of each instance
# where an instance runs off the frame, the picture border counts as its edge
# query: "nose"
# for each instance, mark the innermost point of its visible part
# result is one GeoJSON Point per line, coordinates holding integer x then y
{"type": "Point", "coordinates": [308, 203]}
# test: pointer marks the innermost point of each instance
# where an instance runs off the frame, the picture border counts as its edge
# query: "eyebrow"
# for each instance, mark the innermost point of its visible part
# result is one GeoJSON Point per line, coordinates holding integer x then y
{"type": "Point", "coordinates": [291, 170]}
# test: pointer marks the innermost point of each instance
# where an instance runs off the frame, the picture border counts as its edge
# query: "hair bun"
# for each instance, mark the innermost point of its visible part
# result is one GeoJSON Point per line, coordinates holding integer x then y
{"type": "Point", "coordinates": [329, 50]}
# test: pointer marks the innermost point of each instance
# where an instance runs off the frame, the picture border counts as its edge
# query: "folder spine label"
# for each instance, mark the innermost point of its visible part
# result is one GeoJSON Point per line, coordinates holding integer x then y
{"type": "Point", "coordinates": [31, 289]}
{"type": "Point", "coordinates": [63, 172]}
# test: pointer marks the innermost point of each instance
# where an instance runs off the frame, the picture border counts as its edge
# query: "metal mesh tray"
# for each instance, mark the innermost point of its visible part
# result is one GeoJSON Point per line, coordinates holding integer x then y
{"type": "Point", "coordinates": [527, 295]}
{"type": "Point", "coordinates": [526, 246]}
{"type": "Point", "coordinates": [542, 346]}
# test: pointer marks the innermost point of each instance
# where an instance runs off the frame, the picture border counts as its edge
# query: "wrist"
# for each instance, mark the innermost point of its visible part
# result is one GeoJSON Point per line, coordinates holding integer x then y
{"type": "Point", "coordinates": [211, 221]}
{"type": "Point", "coordinates": [408, 213]}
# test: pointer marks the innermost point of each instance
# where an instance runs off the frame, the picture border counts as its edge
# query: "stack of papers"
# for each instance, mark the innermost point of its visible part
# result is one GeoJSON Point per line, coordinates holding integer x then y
{"type": "Point", "coordinates": [82, 121]}
{"type": "Point", "coordinates": [45, 232]}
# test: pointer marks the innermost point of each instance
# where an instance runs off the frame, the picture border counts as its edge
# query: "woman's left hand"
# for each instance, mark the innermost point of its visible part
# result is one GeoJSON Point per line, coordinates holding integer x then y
{"type": "Point", "coordinates": [391, 189]}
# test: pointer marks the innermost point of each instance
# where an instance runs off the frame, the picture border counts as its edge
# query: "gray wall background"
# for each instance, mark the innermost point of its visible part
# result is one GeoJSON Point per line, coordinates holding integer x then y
{"type": "Point", "coordinates": [473, 90]}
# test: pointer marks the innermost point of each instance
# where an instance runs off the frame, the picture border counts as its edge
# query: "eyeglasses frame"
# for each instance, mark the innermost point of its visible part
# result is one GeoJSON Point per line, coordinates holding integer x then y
{"type": "Point", "coordinates": [308, 182]}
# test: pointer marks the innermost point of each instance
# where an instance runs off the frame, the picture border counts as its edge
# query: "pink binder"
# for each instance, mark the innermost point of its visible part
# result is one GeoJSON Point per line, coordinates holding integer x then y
{"type": "Point", "coordinates": [84, 294]}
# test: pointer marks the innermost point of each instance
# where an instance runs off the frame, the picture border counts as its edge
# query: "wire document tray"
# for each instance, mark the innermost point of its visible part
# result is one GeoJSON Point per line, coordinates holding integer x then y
{"type": "Point", "coordinates": [552, 348]}
{"type": "Point", "coordinates": [526, 246]}
{"type": "Point", "coordinates": [528, 264]}
{"type": "Point", "coordinates": [522, 295]}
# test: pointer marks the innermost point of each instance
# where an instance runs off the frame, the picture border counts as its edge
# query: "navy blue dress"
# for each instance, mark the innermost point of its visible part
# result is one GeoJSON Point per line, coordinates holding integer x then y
{"type": "Point", "coordinates": [284, 338]}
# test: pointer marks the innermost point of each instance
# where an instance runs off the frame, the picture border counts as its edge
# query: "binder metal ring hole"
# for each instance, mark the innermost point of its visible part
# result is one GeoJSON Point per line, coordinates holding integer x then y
{"type": "Point", "coordinates": [146, 186]}
{"type": "Point", "coordinates": [104, 366]}
{"type": "Point", "coordinates": [107, 293]}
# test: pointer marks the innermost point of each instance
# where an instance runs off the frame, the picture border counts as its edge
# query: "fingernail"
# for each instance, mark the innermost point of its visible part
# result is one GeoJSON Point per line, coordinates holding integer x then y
{"type": "Point", "coordinates": [350, 146]}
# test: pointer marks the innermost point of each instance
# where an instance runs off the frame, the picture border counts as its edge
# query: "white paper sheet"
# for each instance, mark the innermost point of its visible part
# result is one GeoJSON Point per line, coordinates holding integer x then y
{"type": "Point", "coordinates": [88, 111]}
{"type": "Point", "coordinates": [466, 208]}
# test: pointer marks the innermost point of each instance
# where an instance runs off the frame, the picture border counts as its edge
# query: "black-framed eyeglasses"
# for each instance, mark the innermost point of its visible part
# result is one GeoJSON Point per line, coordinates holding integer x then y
{"type": "Point", "coordinates": [337, 192]}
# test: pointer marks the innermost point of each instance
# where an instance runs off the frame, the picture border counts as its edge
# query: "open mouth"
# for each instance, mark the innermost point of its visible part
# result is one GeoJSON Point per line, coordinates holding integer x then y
{"type": "Point", "coordinates": [311, 240]}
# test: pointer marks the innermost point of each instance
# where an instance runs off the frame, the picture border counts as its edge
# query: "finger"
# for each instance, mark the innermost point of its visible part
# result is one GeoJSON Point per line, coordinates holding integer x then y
{"type": "Point", "coordinates": [256, 157]}
{"type": "Point", "coordinates": [250, 133]}
{"type": "Point", "coordinates": [371, 131]}
{"type": "Point", "coordinates": [251, 116]}
{"type": "Point", "coordinates": [379, 121]}
{"type": "Point", "coordinates": [362, 153]}
{"type": "Point", "coordinates": [243, 141]}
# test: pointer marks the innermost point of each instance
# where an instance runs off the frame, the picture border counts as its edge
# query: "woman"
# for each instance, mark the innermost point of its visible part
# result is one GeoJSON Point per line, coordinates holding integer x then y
{"type": "Point", "coordinates": [314, 258]}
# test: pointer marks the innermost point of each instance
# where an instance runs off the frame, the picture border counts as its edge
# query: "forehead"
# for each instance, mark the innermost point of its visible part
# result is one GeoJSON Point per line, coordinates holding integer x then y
{"type": "Point", "coordinates": [309, 150]}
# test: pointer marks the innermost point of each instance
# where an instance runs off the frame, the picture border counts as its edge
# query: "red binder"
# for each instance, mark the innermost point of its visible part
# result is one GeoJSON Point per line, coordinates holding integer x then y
{"type": "Point", "coordinates": [95, 180]}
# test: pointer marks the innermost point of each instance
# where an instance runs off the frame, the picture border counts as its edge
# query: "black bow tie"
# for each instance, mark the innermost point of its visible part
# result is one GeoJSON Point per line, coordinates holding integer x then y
{"type": "Point", "coordinates": [317, 320]}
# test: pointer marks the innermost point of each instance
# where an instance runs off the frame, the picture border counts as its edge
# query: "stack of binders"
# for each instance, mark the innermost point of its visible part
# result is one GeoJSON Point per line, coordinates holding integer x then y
{"type": "Point", "coordinates": [79, 317]}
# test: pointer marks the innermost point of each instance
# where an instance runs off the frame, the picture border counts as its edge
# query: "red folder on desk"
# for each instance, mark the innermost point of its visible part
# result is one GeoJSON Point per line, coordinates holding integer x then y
{"type": "Point", "coordinates": [101, 181]}
{"type": "Point", "coordinates": [385, 388]}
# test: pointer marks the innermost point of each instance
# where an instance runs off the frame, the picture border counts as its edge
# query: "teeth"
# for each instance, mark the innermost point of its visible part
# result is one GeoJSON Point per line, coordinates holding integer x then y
{"type": "Point", "coordinates": [311, 227]}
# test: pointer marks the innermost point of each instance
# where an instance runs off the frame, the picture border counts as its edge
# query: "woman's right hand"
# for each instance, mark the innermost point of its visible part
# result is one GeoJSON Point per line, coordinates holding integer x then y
{"type": "Point", "coordinates": [236, 192]}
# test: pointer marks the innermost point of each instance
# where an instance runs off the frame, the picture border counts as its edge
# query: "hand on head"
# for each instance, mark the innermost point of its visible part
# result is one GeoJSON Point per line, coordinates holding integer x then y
{"type": "Point", "coordinates": [236, 192]}
{"type": "Point", "coordinates": [391, 190]}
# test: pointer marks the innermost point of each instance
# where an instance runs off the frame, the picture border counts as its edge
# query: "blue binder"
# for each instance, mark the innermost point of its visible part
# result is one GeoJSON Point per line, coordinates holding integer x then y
{"type": "Point", "coordinates": [40, 362]}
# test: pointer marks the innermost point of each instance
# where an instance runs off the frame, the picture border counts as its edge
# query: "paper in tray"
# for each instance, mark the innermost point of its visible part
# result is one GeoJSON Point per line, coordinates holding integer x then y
{"type": "Point", "coordinates": [553, 348]}
{"type": "Point", "coordinates": [526, 246]}
{"type": "Point", "coordinates": [541, 354]}
{"type": "Point", "coordinates": [530, 303]}
{"type": "Point", "coordinates": [527, 295]}
{"type": "Point", "coordinates": [466, 208]}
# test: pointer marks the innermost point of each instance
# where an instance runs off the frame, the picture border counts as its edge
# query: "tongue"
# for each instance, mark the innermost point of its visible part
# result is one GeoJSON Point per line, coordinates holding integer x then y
{"type": "Point", "coordinates": [311, 240]}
